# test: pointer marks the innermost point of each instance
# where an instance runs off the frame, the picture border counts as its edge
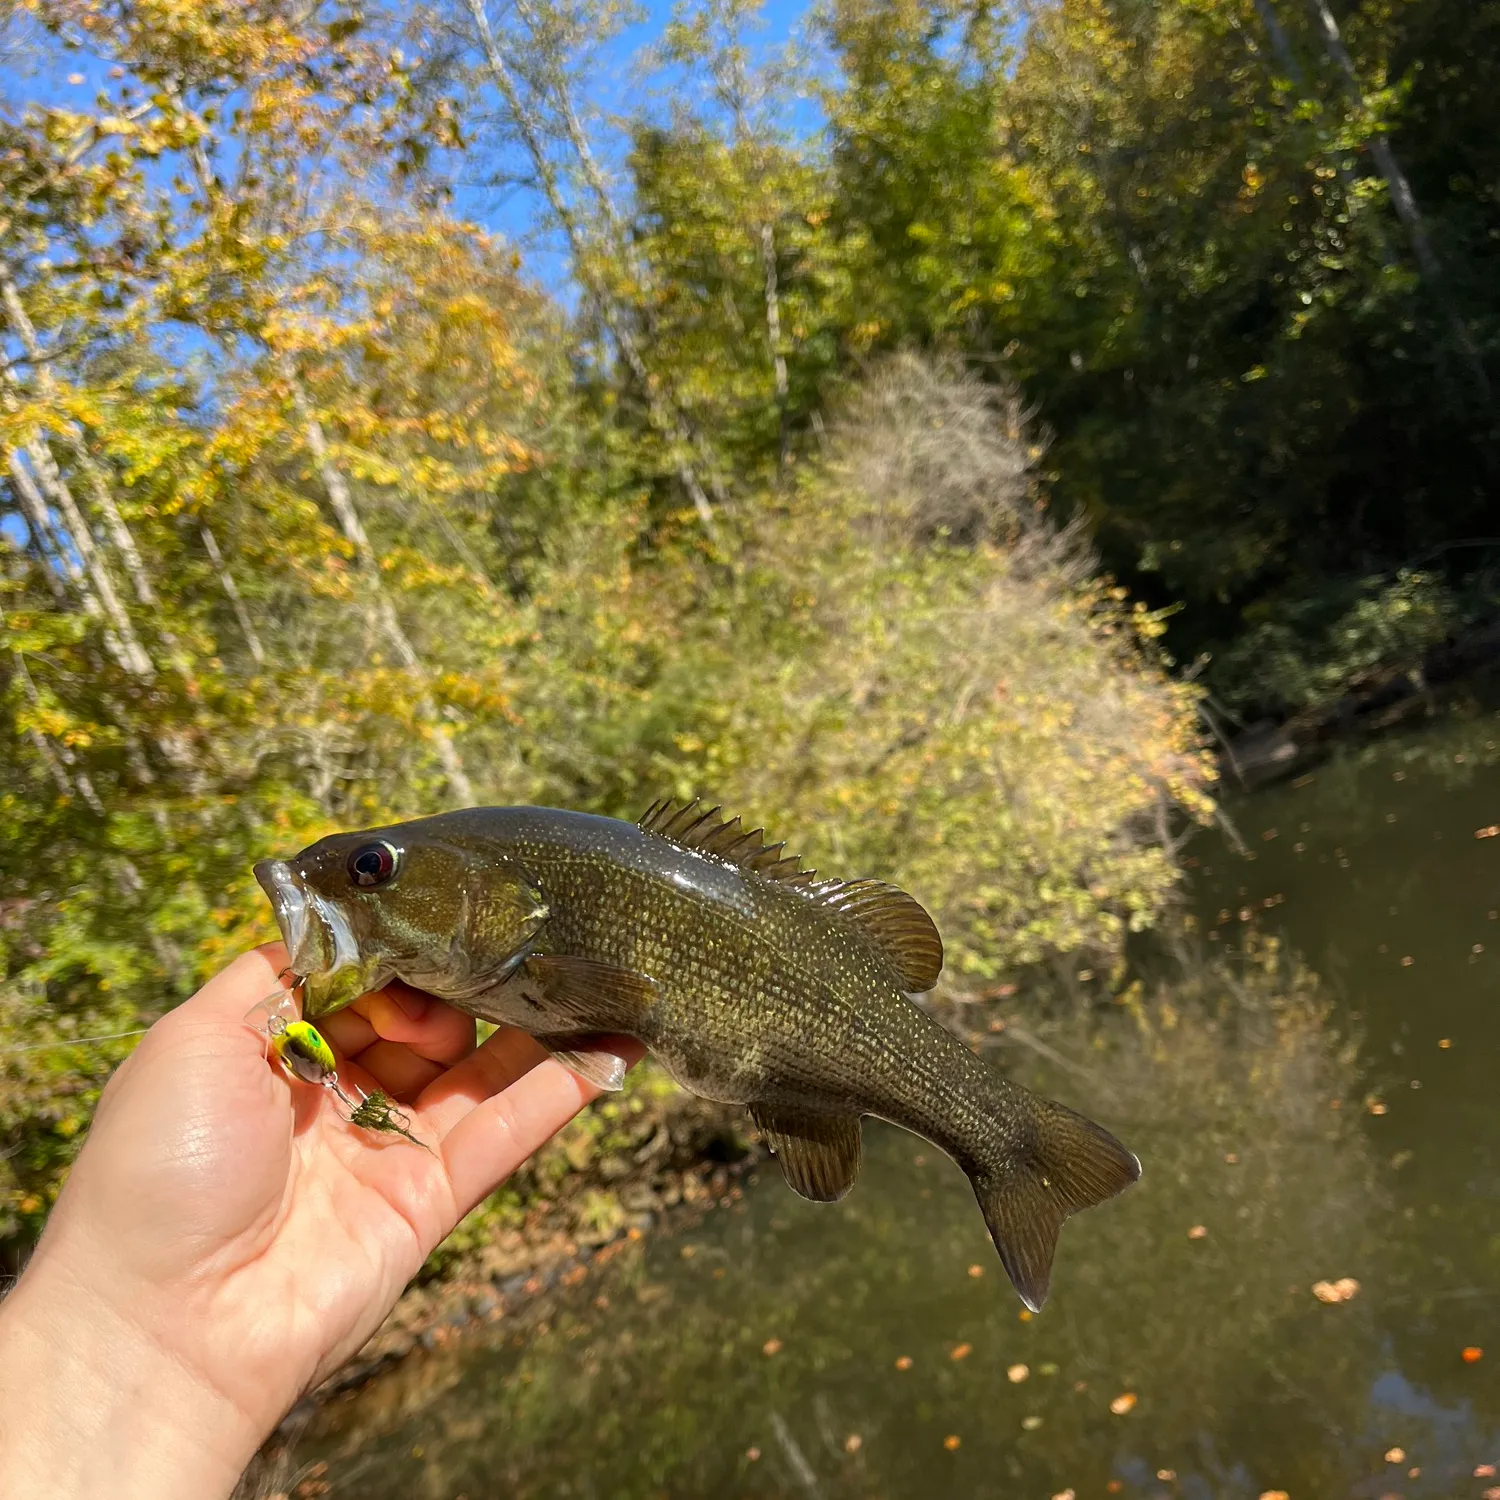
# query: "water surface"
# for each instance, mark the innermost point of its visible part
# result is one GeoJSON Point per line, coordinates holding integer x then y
{"type": "Point", "coordinates": [1309, 1078]}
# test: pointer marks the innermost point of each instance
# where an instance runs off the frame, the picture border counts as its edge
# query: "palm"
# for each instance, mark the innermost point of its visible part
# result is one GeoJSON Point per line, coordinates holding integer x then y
{"type": "Point", "coordinates": [267, 1235]}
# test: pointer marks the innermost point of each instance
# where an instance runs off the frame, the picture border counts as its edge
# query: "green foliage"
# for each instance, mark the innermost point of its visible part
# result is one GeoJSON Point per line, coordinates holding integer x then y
{"type": "Point", "coordinates": [315, 513]}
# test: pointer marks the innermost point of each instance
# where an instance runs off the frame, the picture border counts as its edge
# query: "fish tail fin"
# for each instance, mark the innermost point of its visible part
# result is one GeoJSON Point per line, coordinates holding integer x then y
{"type": "Point", "coordinates": [1070, 1163]}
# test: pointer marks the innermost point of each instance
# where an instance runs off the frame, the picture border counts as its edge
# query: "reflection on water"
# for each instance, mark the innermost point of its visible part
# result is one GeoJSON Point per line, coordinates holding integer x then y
{"type": "Point", "coordinates": [874, 1349]}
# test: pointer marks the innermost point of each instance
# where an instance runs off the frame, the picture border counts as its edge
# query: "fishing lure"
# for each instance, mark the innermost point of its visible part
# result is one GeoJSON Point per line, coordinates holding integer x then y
{"type": "Point", "coordinates": [303, 1053]}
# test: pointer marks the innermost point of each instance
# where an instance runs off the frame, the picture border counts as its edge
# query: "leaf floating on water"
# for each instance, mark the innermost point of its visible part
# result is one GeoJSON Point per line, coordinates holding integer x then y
{"type": "Point", "coordinates": [1342, 1290]}
{"type": "Point", "coordinates": [1123, 1403]}
{"type": "Point", "coordinates": [1017, 1373]}
{"type": "Point", "coordinates": [1472, 1354]}
{"type": "Point", "coordinates": [962, 1351]}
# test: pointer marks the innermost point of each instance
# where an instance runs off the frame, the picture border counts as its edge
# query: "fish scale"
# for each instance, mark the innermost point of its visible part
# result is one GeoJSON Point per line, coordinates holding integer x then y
{"type": "Point", "coordinates": [753, 981]}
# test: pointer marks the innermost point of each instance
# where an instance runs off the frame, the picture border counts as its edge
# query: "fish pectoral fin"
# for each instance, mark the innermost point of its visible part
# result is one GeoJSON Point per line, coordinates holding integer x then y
{"type": "Point", "coordinates": [819, 1154]}
{"type": "Point", "coordinates": [596, 1065]}
{"type": "Point", "coordinates": [586, 995]}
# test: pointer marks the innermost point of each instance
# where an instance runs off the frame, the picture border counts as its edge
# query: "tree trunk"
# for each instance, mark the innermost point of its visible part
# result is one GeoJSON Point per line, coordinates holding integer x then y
{"type": "Point", "coordinates": [664, 417]}
{"type": "Point", "coordinates": [72, 435]}
{"type": "Point", "coordinates": [384, 611]}
{"type": "Point", "coordinates": [231, 590]}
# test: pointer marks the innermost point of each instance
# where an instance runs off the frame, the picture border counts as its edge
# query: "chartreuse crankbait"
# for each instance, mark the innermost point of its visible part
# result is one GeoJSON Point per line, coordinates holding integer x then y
{"type": "Point", "coordinates": [303, 1053]}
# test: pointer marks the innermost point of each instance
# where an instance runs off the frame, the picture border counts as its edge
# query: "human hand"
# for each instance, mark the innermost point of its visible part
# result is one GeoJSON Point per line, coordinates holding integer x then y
{"type": "Point", "coordinates": [226, 1239]}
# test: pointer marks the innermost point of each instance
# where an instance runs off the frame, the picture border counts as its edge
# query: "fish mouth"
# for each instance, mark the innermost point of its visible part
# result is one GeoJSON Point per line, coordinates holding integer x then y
{"type": "Point", "coordinates": [322, 953]}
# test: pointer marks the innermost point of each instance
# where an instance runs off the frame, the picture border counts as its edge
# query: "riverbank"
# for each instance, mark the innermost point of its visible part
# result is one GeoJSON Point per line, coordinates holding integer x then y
{"type": "Point", "coordinates": [670, 1154]}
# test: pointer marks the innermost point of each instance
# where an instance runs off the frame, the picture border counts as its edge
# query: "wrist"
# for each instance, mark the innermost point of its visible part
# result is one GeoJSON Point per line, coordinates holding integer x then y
{"type": "Point", "coordinates": [92, 1405]}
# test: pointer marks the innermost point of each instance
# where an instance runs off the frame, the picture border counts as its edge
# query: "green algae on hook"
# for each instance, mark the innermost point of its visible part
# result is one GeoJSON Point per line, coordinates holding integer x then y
{"type": "Point", "coordinates": [376, 1111]}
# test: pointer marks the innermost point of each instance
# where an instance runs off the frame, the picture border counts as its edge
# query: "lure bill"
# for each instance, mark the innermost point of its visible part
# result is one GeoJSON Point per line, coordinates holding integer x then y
{"type": "Point", "coordinates": [304, 1055]}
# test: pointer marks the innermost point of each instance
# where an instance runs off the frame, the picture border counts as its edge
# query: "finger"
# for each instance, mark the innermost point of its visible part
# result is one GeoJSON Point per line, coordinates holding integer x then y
{"type": "Point", "coordinates": [348, 1032]}
{"type": "Point", "coordinates": [508, 1055]}
{"type": "Point", "coordinates": [495, 1137]}
{"type": "Point", "coordinates": [436, 1031]}
{"type": "Point", "coordinates": [398, 1070]}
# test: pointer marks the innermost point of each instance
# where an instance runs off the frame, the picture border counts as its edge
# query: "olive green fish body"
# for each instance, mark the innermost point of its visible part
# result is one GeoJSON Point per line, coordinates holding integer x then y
{"type": "Point", "coordinates": [752, 981]}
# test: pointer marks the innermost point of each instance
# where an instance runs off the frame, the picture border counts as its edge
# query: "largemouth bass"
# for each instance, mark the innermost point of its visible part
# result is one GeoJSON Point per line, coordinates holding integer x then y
{"type": "Point", "coordinates": [752, 980]}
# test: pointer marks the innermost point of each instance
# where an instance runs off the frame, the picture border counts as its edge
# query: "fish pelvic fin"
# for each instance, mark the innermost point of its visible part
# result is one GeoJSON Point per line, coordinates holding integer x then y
{"type": "Point", "coordinates": [819, 1154]}
{"type": "Point", "coordinates": [1071, 1163]}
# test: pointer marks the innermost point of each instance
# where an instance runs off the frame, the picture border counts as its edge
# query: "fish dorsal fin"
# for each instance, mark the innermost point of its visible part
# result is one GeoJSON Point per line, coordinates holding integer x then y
{"type": "Point", "coordinates": [690, 825]}
{"type": "Point", "coordinates": [896, 923]}
{"type": "Point", "coordinates": [819, 1154]}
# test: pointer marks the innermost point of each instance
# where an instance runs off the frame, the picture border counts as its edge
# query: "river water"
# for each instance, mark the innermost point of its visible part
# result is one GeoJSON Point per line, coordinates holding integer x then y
{"type": "Point", "coordinates": [1301, 1296]}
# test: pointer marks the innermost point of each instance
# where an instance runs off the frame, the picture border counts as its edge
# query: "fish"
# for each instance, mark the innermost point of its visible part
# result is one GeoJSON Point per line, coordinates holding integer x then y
{"type": "Point", "coordinates": [752, 980]}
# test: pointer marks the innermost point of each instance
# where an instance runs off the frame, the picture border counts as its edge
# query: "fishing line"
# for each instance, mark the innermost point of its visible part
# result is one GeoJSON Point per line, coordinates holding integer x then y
{"type": "Point", "coordinates": [80, 1041]}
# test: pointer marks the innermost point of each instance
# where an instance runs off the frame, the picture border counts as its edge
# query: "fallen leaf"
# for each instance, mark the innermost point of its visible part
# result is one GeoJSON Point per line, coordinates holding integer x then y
{"type": "Point", "coordinates": [853, 1443]}
{"type": "Point", "coordinates": [951, 1441]}
{"type": "Point", "coordinates": [771, 1346]}
{"type": "Point", "coordinates": [1395, 1455]}
{"type": "Point", "coordinates": [1016, 1374]}
{"type": "Point", "coordinates": [1341, 1290]}
{"type": "Point", "coordinates": [1122, 1403]}
{"type": "Point", "coordinates": [1473, 1354]}
{"type": "Point", "coordinates": [962, 1351]}
{"type": "Point", "coordinates": [1198, 1232]}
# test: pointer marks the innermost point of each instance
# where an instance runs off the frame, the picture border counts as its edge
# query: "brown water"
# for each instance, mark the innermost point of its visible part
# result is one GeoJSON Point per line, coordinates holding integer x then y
{"type": "Point", "coordinates": [1282, 1074]}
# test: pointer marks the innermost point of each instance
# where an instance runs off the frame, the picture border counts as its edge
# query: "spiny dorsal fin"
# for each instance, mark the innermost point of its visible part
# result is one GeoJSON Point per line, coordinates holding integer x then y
{"type": "Point", "coordinates": [690, 825]}
{"type": "Point", "coordinates": [896, 923]}
{"type": "Point", "coordinates": [819, 1154]}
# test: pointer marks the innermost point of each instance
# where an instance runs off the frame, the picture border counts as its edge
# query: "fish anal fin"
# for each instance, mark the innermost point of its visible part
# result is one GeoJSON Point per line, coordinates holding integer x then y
{"type": "Point", "coordinates": [586, 995]}
{"type": "Point", "coordinates": [896, 923]}
{"type": "Point", "coordinates": [819, 1154]}
{"type": "Point", "coordinates": [595, 1064]}
{"type": "Point", "coordinates": [1071, 1164]}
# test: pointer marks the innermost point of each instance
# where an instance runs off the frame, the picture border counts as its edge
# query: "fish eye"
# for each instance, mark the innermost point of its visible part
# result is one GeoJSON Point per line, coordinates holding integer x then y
{"type": "Point", "coordinates": [372, 864]}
